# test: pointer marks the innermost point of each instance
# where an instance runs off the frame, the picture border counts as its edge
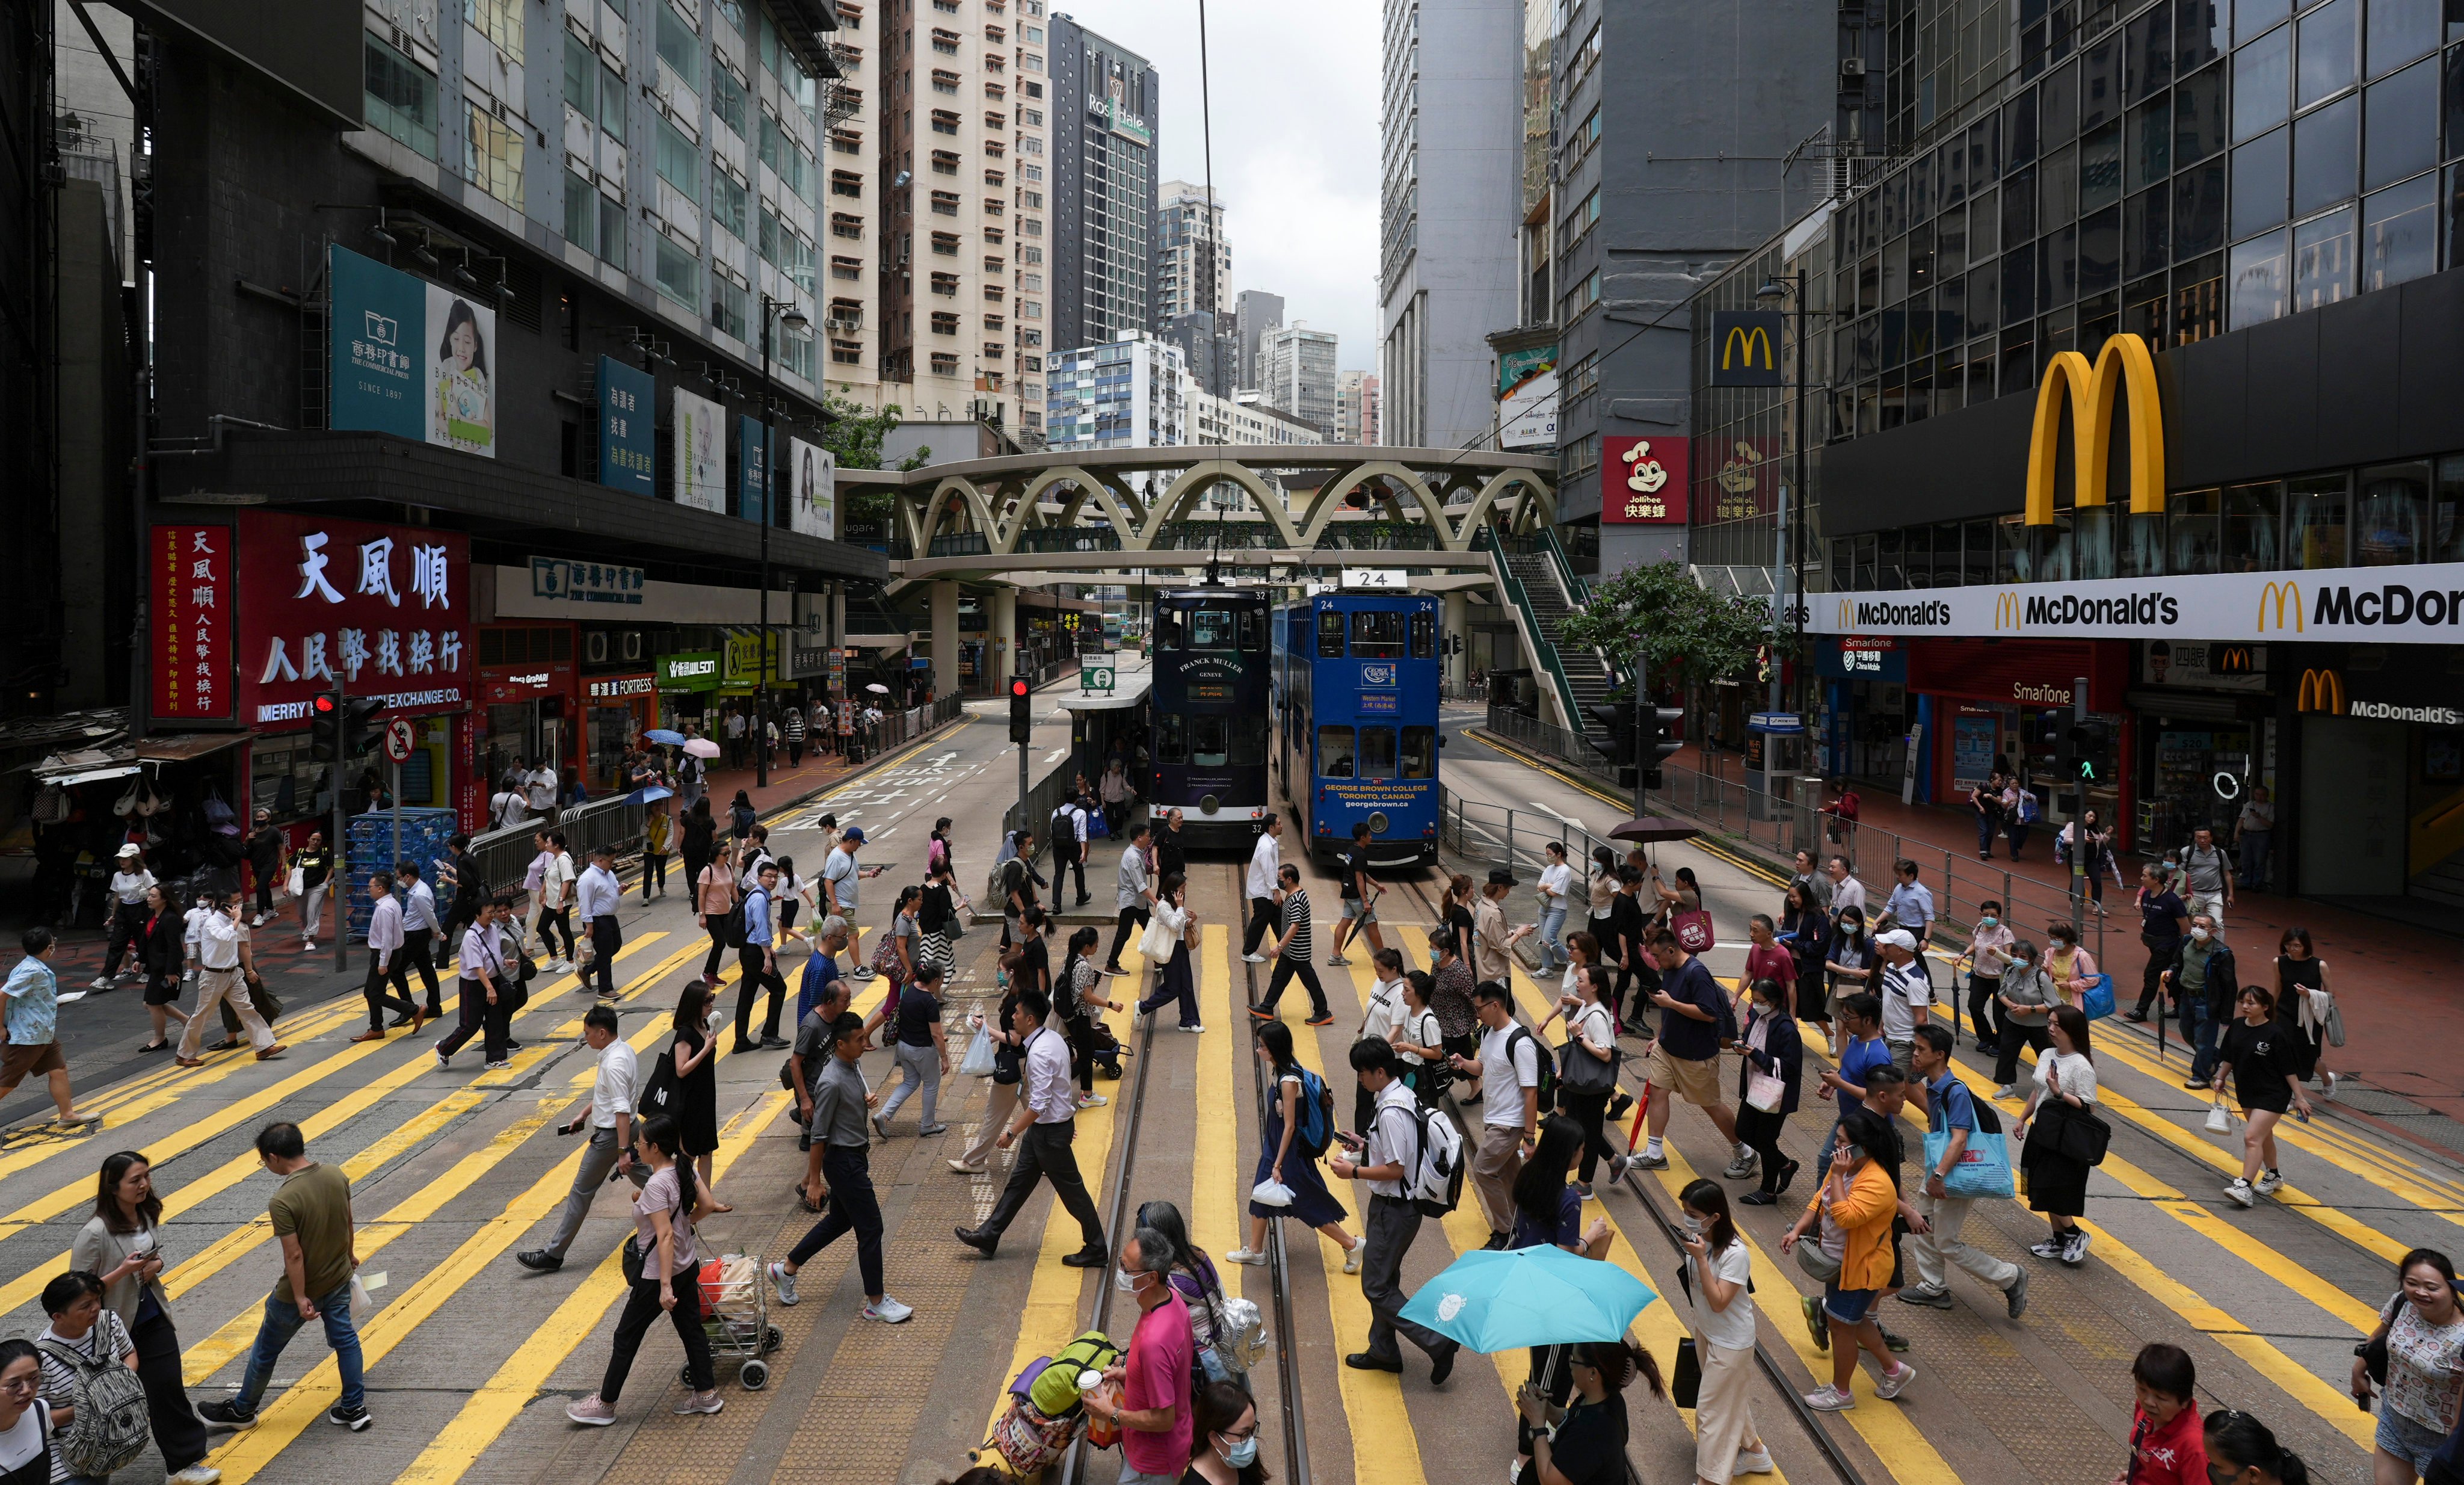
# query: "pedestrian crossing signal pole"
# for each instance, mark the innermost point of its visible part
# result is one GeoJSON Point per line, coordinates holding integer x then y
{"type": "Point", "coordinates": [1022, 724]}
{"type": "Point", "coordinates": [2078, 771]}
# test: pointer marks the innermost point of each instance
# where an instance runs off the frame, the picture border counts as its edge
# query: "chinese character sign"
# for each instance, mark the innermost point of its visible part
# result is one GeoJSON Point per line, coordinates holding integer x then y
{"type": "Point", "coordinates": [382, 610]}
{"type": "Point", "coordinates": [191, 617]}
{"type": "Point", "coordinates": [751, 461]}
{"type": "Point", "coordinates": [409, 358]}
{"type": "Point", "coordinates": [701, 454]}
{"type": "Point", "coordinates": [628, 434]}
{"type": "Point", "coordinates": [812, 490]}
{"type": "Point", "coordinates": [1642, 481]}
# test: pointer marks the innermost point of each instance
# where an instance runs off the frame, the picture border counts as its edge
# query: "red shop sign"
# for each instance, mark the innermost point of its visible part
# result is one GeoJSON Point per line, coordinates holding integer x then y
{"type": "Point", "coordinates": [384, 610]}
{"type": "Point", "coordinates": [501, 685]}
{"type": "Point", "coordinates": [1642, 481]}
{"type": "Point", "coordinates": [191, 618]}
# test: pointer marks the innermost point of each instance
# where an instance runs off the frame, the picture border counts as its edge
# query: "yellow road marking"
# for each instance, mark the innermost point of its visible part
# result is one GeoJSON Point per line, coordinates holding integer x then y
{"type": "Point", "coordinates": [501, 1400]}
{"type": "Point", "coordinates": [1214, 1198]}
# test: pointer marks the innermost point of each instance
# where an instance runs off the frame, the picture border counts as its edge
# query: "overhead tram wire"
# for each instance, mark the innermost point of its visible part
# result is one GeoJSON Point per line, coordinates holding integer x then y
{"type": "Point", "coordinates": [1841, 1466]}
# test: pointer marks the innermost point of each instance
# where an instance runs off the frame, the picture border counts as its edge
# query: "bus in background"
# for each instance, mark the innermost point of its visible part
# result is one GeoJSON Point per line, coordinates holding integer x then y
{"type": "Point", "coordinates": [1356, 722]}
{"type": "Point", "coordinates": [1212, 687]}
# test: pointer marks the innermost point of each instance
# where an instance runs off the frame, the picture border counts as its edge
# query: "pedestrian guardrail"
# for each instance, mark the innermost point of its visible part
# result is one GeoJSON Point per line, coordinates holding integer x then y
{"type": "Point", "coordinates": [504, 856]}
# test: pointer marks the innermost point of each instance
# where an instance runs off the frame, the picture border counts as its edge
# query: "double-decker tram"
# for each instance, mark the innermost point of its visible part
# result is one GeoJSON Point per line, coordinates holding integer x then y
{"type": "Point", "coordinates": [1356, 722]}
{"type": "Point", "coordinates": [1209, 699]}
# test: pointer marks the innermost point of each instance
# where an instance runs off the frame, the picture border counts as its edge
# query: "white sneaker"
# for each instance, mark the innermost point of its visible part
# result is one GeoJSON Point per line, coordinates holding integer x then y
{"type": "Point", "coordinates": [2330, 1092]}
{"type": "Point", "coordinates": [965, 1169]}
{"type": "Point", "coordinates": [2076, 1252]}
{"type": "Point", "coordinates": [782, 1283]}
{"type": "Point", "coordinates": [104, 982]}
{"type": "Point", "coordinates": [1757, 1461]}
{"type": "Point", "coordinates": [1253, 959]}
{"type": "Point", "coordinates": [1830, 1400]}
{"type": "Point", "coordinates": [197, 1474]}
{"type": "Point", "coordinates": [1351, 1259]}
{"type": "Point", "coordinates": [2006, 1091]}
{"type": "Point", "coordinates": [258, 922]}
{"type": "Point", "coordinates": [1092, 1101]}
{"type": "Point", "coordinates": [308, 945]}
{"type": "Point", "coordinates": [1244, 1255]}
{"type": "Point", "coordinates": [2240, 1194]}
{"type": "Point", "coordinates": [1897, 1383]}
{"type": "Point", "coordinates": [1194, 1030]}
{"type": "Point", "coordinates": [888, 1311]}
{"type": "Point", "coordinates": [2269, 1182]}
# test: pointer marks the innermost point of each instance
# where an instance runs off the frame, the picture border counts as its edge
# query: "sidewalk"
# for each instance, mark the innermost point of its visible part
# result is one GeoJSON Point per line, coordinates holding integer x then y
{"type": "Point", "coordinates": [2394, 984]}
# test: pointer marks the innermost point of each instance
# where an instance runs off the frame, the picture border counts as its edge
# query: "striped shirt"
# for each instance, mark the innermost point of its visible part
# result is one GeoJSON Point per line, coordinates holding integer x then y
{"type": "Point", "coordinates": [108, 1338]}
{"type": "Point", "coordinates": [1296, 922]}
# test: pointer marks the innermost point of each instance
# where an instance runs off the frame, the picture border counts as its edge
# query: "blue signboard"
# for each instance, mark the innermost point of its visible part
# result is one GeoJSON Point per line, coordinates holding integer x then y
{"type": "Point", "coordinates": [380, 317]}
{"type": "Point", "coordinates": [628, 434]}
{"type": "Point", "coordinates": [750, 444]}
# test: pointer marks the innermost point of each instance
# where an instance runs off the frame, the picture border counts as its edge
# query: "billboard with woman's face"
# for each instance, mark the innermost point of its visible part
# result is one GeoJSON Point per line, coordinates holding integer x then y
{"type": "Point", "coordinates": [812, 490]}
{"type": "Point", "coordinates": [409, 358]}
{"type": "Point", "coordinates": [461, 393]}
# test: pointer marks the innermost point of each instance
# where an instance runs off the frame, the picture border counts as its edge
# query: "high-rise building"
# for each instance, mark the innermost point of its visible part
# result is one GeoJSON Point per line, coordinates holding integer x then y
{"type": "Point", "coordinates": [953, 220]}
{"type": "Point", "coordinates": [849, 325]}
{"type": "Point", "coordinates": [1213, 354]}
{"type": "Point", "coordinates": [1029, 272]}
{"type": "Point", "coordinates": [1254, 313]}
{"type": "Point", "coordinates": [1356, 408]}
{"type": "Point", "coordinates": [1296, 373]}
{"type": "Point", "coordinates": [1193, 273]}
{"type": "Point", "coordinates": [1129, 393]}
{"type": "Point", "coordinates": [1450, 194]}
{"type": "Point", "coordinates": [1104, 184]}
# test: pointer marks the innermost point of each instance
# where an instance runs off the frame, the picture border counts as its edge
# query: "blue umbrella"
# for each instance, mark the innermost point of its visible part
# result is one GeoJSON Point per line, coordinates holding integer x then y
{"type": "Point", "coordinates": [1529, 1297]}
{"type": "Point", "coordinates": [665, 734]}
{"type": "Point", "coordinates": [648, 795]}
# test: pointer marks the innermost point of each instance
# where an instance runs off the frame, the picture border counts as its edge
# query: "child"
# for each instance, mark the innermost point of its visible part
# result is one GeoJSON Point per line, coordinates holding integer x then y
{"type": "Point", "coordinates": [2167, 1446]}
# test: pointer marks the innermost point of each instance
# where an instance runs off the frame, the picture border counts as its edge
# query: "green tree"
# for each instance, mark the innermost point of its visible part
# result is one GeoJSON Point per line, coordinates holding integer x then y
{"type": "Point", "coordinates": [854, 436]}
{"type": "Point", "coordinates": [1684, 634]}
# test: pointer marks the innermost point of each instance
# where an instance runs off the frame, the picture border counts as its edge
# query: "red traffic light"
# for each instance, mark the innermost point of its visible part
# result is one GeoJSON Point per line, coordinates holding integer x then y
{"type": "Point", "coordinates": [323, 704]}
{"type": "Point", "coordinates": [1018, 686]}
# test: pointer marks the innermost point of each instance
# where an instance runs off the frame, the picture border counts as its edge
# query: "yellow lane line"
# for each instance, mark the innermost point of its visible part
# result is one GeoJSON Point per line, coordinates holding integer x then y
{"type": "Point", "coordinates": [1051, 1316]}
{"type": "Point", "coordinates": [238, 1168]}
{"type": "Point", "coordinates": [1214, 1198]}
{"type": "Point", "coordinates": [1384, 1451]}
{"type": "Point", "coordinates": [501, 1400]}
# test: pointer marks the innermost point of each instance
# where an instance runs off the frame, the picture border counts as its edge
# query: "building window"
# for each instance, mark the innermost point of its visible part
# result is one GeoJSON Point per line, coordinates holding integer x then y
{"type": "Point", "coordinates": [945, 363]}
{"type": "Point", "coordinates": [679, 160]}
{"type": "Point", "coordinates": [1032, 118]}
{"type": "Point", "coordinates": [996, 323]}
{"type": "Point", "coordinates": [1031, 62]}
{"type": "Point", "coordinates": [995, 90]}
{"type": "Point", "coordinates": [845, 224]}
{"type": "Point", "coordinates": [1032, 90]}
{"type": "Point", "coordinates": [492, 157]}
{"type": "Point", "coordinates": [945, 203]}
{"type": "Point", "coordinates": [996, 123]}
{"type": "Point", "coordinates": [945, 322]}
{"type": "Point", "coordinates": [996, 179]}
{"type": "Point", "coordinates": [847, 141]}
{"type": "Point", "coordinates": [1032, 200]}
{"type": "Point", "coordinates": [945, 42]}
{"type": "Point", "coordinates": [679, 47]}
{"type": "Point", "coordinates": [994, 293]}
{"type": "Point", "coordinates": [728, 309]}
{"type": "Point", "coordinates": [612, 226]}
{"type": "Point", "coordinates": [500, 21]}
{"type": "Point", "coordinates": [730, 203]}
{"type": "Point", "coordinates": [945, 284]}
{"type": "Point", "coordinates": [845, 183]}
{"type": "Point", "coordinates": [728, 101]}
{"type": "Point", "coordinates": [847, 353]}
{"type": "Point", "coordinates": [846, 268]}
{"type": "Point", "coordinates": [994, 206]}
{"type": "Point", "coordinates": [846, 316]}
{"type": "Point", "coordinates": [944, 81]}
{"type": "Point", "coordinates": [401, 101]}
{"type": "Point", "coordinates": [581, 211]}
{"type": "Point", "coordinates": [944, 122]}
{"type": "Point", "coordinates": [945, 162]}
{"type": "Point", "coordinates": [679, 272]}
{"type": "Point", "coordinates": [946, 244]}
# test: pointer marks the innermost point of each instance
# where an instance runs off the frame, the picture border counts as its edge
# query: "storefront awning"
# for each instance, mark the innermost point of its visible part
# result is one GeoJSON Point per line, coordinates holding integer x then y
{"type": "Point", "coordinates": [93, 775]}
{"type": "Point", "coordinates": [188, 747]}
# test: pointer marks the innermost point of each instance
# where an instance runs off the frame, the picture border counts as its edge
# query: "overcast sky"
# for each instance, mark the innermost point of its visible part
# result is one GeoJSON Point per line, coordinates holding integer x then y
{"type": "Point", "coordinates": [1295, 113]}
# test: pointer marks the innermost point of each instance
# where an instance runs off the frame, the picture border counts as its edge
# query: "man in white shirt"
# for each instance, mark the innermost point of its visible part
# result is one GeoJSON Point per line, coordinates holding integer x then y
{"type": "Point", "coordinates": [610, 1118]}
{"type": "Point", "coordinates": [1136, 897]}
{"type": "Point", "coordinates": [384, 963]}
{"type": "Point", "coordinates": [129, 879]}
{"type": "Point", "coordinates": [422, 931]}
{"type": "Point", "coordinates": [1047, 1112]}
{"type": "Point", "coordinates": [599, 892]}
{"type": "Point", "coordinates": [1388, 1138]}
{"type": "Point", "coordinates": [1386, 1011]}
{"type": "Point", "coordinates": [539, 786]}
{"type": "Point", "coordinates": [1846, 891]}
{"type": "Point", "coordinates": [1906, 992]}
{"type": "Point", "coordinates": [1508, 1070]}
{"type": "Point", "coordinates": [219, 983]}
{"type": "Point", "coordinates": [735, 739]}
{"type": "Point", "coordinates": [1265, 868]}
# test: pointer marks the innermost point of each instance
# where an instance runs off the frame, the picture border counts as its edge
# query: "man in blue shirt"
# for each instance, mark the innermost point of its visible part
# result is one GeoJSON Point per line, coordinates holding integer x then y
{"type": "Point", "coordinates": [822, 965]}
{"type": "Point", "coordinates": [32, 1016]}
{"type": "Point", "coordinates": [1911, 904]}
{"type": "Point", "coordinates": [1685, 1058]}
{"type": "Point", "coordinates": [756, 965]}
{"type": "Point", "coordinates": [1953, 1116]}
{"type": "Point", "coordinates": [1860, 1022]}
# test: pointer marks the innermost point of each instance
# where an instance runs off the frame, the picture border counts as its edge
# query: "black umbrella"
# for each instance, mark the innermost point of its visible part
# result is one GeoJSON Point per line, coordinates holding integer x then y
{"type": "Point", "coordinates": [1655, 828]}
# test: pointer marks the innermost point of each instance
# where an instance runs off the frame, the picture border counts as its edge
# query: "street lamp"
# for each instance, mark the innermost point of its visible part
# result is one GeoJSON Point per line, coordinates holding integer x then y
{"type": "Point", "coordinates": [792, 319]}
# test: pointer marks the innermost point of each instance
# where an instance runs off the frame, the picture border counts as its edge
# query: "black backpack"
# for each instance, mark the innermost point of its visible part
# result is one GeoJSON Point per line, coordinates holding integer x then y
{"type": "Point", "coordinates": [1546, 1062]}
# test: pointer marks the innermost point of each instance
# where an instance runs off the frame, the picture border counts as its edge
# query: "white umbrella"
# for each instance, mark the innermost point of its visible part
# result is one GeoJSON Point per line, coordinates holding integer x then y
{"type": "Point", "coordinates": [701, 747]}
{"type": "Point", "coordinates": [877, 686]}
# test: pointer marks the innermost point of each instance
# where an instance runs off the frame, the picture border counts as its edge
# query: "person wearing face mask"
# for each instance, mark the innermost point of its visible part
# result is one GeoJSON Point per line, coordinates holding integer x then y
{"type": "Point", "coordinates": [2204, 985]}
{"type": "Point", "coordinates": [2025, 1000]}
{"type": "Point", "coordinates": [1148, 1396]}
{"type": "Point", "coordinates": [1227, 1438]}
{"type": "Point", "coordinates": [1988, 954]}
{"type": "Point", "coordinates": [2072, 967]}
{"type": "Point", "coordinates": [2242, 1452]}
{"type": "Point", "coordinates": [2162, 918]}
{"type": "Point", "coordinates": [1851, 967]}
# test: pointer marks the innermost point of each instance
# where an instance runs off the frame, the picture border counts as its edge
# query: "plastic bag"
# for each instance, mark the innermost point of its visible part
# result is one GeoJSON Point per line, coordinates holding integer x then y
{"type": "Point", "coordinates": [979, 1061]}
{"type": "Point", "coordinates": [1271, 1193]}
{"type": "Point", "coordinates": [2219, 1121]}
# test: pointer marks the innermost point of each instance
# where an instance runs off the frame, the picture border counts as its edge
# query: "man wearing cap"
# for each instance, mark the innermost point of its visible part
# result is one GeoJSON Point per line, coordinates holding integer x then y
{"type": "Point", "coordinates": [264, 851]}
{"type": "Point", "coordinates": [1907, 994]}
{"type": "Point", "coordinates": [599, 892]}
{"type": "Point", "coordinates": [1492, 943]}
{"type": "Point", "coordinates": [129, 881]}
{"type": "Point", "coordinates": [840, 876]}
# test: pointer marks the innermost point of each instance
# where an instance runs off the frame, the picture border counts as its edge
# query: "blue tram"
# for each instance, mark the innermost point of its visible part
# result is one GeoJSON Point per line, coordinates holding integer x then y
{"type": "Point", "coordinates": [1356, 718]}
{"type": "Point", "coordinates": [1209, 701]}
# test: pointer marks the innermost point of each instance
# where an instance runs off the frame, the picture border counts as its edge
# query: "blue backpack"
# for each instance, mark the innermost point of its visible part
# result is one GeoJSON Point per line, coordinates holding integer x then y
{"type": "Point", "coordinates": [1317, 1128]}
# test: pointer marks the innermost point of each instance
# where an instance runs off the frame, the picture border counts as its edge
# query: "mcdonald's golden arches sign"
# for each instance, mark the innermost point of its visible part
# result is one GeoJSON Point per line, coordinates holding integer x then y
{"type": "Point", "coordinates": [1745, 347]}
{"type": "Point", "coordinates": [2089, 394]}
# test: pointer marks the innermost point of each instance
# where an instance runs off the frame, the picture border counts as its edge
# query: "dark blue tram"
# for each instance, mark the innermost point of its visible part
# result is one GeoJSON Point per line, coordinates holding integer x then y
{"type": "Point", "coordinates": [1356, 722]}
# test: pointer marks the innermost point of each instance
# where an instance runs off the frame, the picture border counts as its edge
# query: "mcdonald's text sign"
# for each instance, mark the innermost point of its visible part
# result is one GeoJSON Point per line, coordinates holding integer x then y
{"type": "Point", "coordinates": [1745, 347]}
{"type": "Point", "coordinates": [2418, 604]}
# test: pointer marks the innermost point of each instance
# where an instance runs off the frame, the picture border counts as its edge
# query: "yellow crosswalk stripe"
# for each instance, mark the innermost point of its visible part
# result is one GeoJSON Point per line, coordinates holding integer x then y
{"type": "Point", "coordinates": [1215, 1197]}
{"type": "Point", "coordinates": [500, 1399]}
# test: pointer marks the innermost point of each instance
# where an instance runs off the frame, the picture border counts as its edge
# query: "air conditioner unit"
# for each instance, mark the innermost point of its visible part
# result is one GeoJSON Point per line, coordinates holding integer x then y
{"type": "Point", "coordinates": [1852, 67]}
{"type": "Point", "coordinates": [594, 648]}
{"type": "Point", "coordinates": [630, 644]}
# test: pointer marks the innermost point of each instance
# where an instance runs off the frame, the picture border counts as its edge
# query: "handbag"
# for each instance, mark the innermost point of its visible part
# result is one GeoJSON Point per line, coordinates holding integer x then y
{"type": "Point", "coordinates": [1579, 1071]}
{"type": "Point", "coordinates": [2077, 1134]}
{"type": "Point", "coordinates": [1156, 942]}
{"type": "Point", "coordinates": [1685, 1385]}
{"type": "Point", "coordinates": [884, 959]}
{"type": "Point", "coordinates": [2096, 1003]}
{"type": "Point", "coordinates": [297, 883]}
{"type": "Point", "coordinates": [1984, 1165]}
{"type": "Point", "coordinates": [659, 1090]}
{"type": "Point", "coordinates": [634, 1261]}
{"type": "Point", "coordinates": [979, 1060]}
{"type": "Point", "coordinates": [1693, 930]}
{"type": "Point", "coordinates": [1765, 1091]}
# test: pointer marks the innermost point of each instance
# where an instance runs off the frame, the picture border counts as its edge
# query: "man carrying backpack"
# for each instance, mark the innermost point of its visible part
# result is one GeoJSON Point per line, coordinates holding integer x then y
{"type": "Point", "coordinates": [1508, 1070]}
{"type": "Point", "coordinates": [1389, 1149]}
{"type": "Point", "coordinates": [1685, 1058]}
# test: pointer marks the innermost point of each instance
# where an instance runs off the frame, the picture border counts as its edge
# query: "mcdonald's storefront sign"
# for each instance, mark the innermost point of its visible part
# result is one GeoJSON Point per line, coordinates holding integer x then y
{"type": "Point", "coordinates": [2359, 605]}
{"type": "Point", "coordinates": [2321, 690]}
{"type": "Point", "coordinates": [2124, 375]}
{"type": "Point", "coordinates": [1745, 347]}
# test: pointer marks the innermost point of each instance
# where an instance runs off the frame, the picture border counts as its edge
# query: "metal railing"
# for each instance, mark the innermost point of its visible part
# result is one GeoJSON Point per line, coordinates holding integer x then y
{"type": "Point", "coordinates": [1571, 749]}
{"type": "Point", "coordinates": [1528, 620]}
{"type": "Point", "coordinates": [505, 856]}
{"type": "Point", "coordinates": [873, 739]}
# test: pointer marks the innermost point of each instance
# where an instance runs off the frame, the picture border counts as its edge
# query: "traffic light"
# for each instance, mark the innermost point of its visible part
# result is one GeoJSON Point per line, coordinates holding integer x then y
{"type": "Point", "coordinates": [358, 736]}
{"type": "Point", "coordinates": [325, 727]}
{"type": "Point", "coordinates": [1659, 724]}
{"type": "Point", "coordinates": [1021, 723]}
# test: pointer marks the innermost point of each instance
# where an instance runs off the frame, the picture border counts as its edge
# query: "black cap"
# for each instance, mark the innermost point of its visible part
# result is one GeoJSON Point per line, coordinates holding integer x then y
{"type": "Point", "coordinates": [1500, 877]}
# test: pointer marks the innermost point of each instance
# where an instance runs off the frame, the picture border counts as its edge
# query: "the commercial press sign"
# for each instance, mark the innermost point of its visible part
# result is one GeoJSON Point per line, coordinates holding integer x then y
{"type": "Point", "coordinates": [2425, 606]}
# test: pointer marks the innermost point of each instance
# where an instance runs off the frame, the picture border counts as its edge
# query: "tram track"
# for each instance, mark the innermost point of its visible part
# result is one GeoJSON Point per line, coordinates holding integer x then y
{"type": "Point", "coordinates": [1288, 1363]}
